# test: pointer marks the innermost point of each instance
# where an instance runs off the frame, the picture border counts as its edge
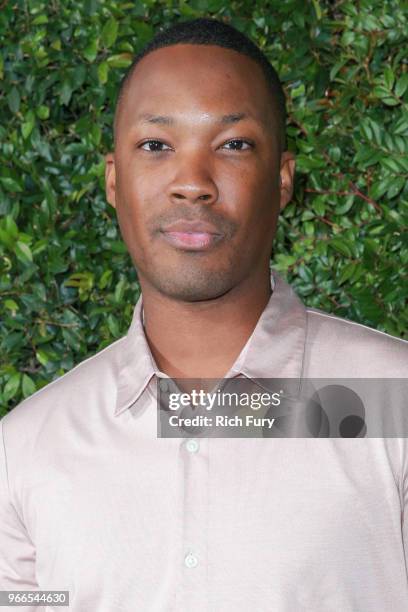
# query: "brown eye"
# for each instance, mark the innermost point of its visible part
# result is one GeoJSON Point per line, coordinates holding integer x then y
{"type": "Point", "coordinates": [154, 146]}
{"type": "Point", "coordinates": [238, 144]}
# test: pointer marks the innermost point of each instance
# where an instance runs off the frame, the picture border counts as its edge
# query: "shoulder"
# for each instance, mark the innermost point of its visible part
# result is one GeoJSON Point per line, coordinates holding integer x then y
{"type": "Point", "coordinates": [96, 374]}
{"type": "Point", "coordinates": [351, 349]}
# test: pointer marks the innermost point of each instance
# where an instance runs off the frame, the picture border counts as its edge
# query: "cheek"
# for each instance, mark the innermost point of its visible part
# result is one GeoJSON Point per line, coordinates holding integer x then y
{"type": "Point", "coordinates": [253, 198]}
{"type": "Point", "coordinates": [136, 183]}
{"type": "Point", "coordinates": [138, 194]}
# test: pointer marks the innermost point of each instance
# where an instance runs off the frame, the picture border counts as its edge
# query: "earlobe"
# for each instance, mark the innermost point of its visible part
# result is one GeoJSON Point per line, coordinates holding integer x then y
{"type": "Point", "coordinates": [110, 179]}
{"type": "Point", "coordinates": [287, 175]}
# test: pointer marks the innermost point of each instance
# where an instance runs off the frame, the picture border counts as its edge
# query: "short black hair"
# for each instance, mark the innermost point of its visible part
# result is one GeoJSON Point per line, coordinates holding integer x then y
{"type": "Point", "coordinates": [208, 31]}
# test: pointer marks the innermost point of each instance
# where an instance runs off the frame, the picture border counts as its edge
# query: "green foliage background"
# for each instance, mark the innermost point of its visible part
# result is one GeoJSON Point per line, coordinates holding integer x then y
{"type": "Point", "coordinates": [67, 285]}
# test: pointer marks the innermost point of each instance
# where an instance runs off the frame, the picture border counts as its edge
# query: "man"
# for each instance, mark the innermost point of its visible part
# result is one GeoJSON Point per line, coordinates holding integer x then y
{"type": "Point", "coordinates": [91, 500]}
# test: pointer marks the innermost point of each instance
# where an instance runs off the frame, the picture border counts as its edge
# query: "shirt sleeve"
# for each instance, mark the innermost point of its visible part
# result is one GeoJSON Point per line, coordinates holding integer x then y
{"type": "Point", "coordinates": [17, 553]}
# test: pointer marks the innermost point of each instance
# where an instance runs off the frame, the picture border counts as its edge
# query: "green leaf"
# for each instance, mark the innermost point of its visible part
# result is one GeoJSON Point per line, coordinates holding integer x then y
{"type": "Point", "coordinates": [283, 262]}
{"type": "Point", "coordinates": [385, 96]}
{"type": "Point", "coordinates": [401, 85]}
{"type": "Point", "coordinates": [82, 280]}
{"type": "Point", "coordinates": [105, 279]}
{"type": "Point", "coordinates": [335, 154]}
{"type": "Point", "coordinates": [109, 32]}
{"type": "Point", "coordinates": [56, 44]}
{"type": "Point", "coordinates": [389, 78]}
{"type": "Point", "coordinates": [103, 71]}
{"type": "Point", "coordinates": [28, 386]}
{"type": "Point", "coordinates": [91, 50]}
{"type": "Point", "coordinates": [304, 162]}
{"type": "Point", "coordinates": [66, 92]}
{"type": "Point", "coordinates": [23, 252]}
{"type": "Point", "coordinates": [376, 130]}
{"type": "Point", "coordinates": [396, 187]}
{"type": "Point", "coordinates": [319, 206]}
{"type": "Point", "coordinates": [346, 273]}
{"type": "Point", "coordinates": [345, 206]}
{"type": "Point", "coordinates": [39, 20]}
{"type": "Point", "coordinates": [11, 305]}
{"type": "Point", "coordinates": [317, 9]}
{"type": "Point", "coordinates": [96, 134]}
{"type": "Point", "coordinates": [11, 387]}
{"type": "Point", "coordinates": [10, 227]}
{"type": "Point", "coordinates": [10, 184]}
{"type": "Point", "coordinates": [117, 246]}
{"type": "Point", "coordinates": [341, 246]}
{"type": "Point", "coordinates": [390, 164]}
{"type": "Point", "coordinates": [122, 60]}
{"type": "Point", "coordinates": [28, 125]}
{"type": "Point", "coordinates": [120, 290]}
{"type": "Point", "coordinates": [71, 338]}
{"type": "Point", "coordinates": [336, 68]}
{"type": "Point", "coordinates": [365, 129]}
{"type": "Point", "coordinates": [42, 356]}
{"type": "Point", "coordinates": [14, 100]}
{"type": "Point", "coordinates": [380, 187]}
{"type": "Point", "coordinates": [113, 325]}
{"type": "Point", "coordinates": [43, 112]}
{"type": "Point", "coordinates": [8, 232]}
{"type": "Point", "coordinates": [5, 239]}
{"type": "Point", "coordinates": [390, 101]}
{"type": "Point", "coordinates": [365, 302]}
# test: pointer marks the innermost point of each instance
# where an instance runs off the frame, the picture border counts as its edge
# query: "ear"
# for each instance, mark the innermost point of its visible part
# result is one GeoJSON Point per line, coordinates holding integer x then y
{"type": "Point", "coordinates": [287, 175]}
{"type": "Point", "coordinates": [110, 179]}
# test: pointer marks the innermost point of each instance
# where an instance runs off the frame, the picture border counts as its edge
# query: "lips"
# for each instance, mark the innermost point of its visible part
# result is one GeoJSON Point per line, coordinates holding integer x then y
{"type": "Point", "coordinates": [191, 235]}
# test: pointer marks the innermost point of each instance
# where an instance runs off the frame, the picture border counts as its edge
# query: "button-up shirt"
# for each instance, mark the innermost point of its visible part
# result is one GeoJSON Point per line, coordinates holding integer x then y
{"type": "Point", "coordinates": [93, 502]}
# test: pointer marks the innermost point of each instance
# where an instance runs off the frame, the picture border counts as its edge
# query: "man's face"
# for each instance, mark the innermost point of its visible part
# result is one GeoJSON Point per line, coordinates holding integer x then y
{"type": "Point", "coordinates": [195, 172]}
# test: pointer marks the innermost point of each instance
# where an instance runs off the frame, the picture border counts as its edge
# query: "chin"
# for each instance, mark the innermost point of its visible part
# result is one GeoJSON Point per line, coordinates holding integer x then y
{"type": "Point", "coordinates": [193, 285]}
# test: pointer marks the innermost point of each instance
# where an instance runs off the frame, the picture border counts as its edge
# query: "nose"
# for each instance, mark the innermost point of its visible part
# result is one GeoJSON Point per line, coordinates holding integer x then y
{"type": "Point", "coordinates": [192, 182]}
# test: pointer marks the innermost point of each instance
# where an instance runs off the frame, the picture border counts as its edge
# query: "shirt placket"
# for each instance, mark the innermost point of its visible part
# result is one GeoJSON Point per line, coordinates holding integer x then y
{"type": "Point", "coordinates": [193, 593]}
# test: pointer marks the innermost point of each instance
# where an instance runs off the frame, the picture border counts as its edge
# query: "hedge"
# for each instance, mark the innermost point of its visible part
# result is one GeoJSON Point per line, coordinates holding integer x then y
{"type": "Point", "coordinates": [67, 284]}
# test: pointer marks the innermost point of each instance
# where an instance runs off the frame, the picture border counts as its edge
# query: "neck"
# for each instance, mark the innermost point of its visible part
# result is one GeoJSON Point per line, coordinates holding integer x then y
{"type": "Point", "coordinates": [203, 339]}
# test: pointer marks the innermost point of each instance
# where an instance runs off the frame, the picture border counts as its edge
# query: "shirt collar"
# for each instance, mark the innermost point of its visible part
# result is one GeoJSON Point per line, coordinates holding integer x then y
{"type": "Point", "coordinates": [275, 349]}
{"type": "Point", "coordinates": [136, 363]}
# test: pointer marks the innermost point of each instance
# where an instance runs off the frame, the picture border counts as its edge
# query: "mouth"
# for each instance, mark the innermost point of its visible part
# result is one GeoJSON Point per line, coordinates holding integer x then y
{"type": "Point", "coordinates": [191, 241]}
{"type": "Point", "coordinates": [191, 235]}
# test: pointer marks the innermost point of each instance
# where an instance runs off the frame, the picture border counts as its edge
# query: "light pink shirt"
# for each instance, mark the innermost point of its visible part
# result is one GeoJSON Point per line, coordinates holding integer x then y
{"type": "Point", "coordinates": [91, 501]}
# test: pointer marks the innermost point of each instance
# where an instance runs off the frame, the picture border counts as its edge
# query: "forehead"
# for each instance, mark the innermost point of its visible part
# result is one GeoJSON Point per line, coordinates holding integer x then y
{"type": "Point", "coordinates": [183, 78]}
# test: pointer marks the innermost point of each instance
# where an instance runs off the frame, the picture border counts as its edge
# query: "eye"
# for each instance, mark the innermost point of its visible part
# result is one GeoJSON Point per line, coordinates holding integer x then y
{"type": "Point", "coordinates": [154, 146]}
{"type": "Point", "coordinates": [238, 144]}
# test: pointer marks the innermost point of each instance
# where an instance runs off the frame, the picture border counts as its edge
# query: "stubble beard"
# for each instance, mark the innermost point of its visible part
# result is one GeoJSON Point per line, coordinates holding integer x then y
{"type": "Point", "coordinates": [191, 281]}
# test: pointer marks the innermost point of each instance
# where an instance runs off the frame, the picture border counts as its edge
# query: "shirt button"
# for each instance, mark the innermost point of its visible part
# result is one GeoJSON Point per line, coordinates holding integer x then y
{"type": "Point", "coordinates": [190, 560]}
{"type": "Point", "coordinates": [192, 446]}
{"type": "Point", "coordinates": [164, 385]}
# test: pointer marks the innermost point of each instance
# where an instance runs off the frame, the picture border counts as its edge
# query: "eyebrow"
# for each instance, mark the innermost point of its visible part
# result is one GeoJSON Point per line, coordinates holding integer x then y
{"type": "Point", "coordinates": [167, 120]}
